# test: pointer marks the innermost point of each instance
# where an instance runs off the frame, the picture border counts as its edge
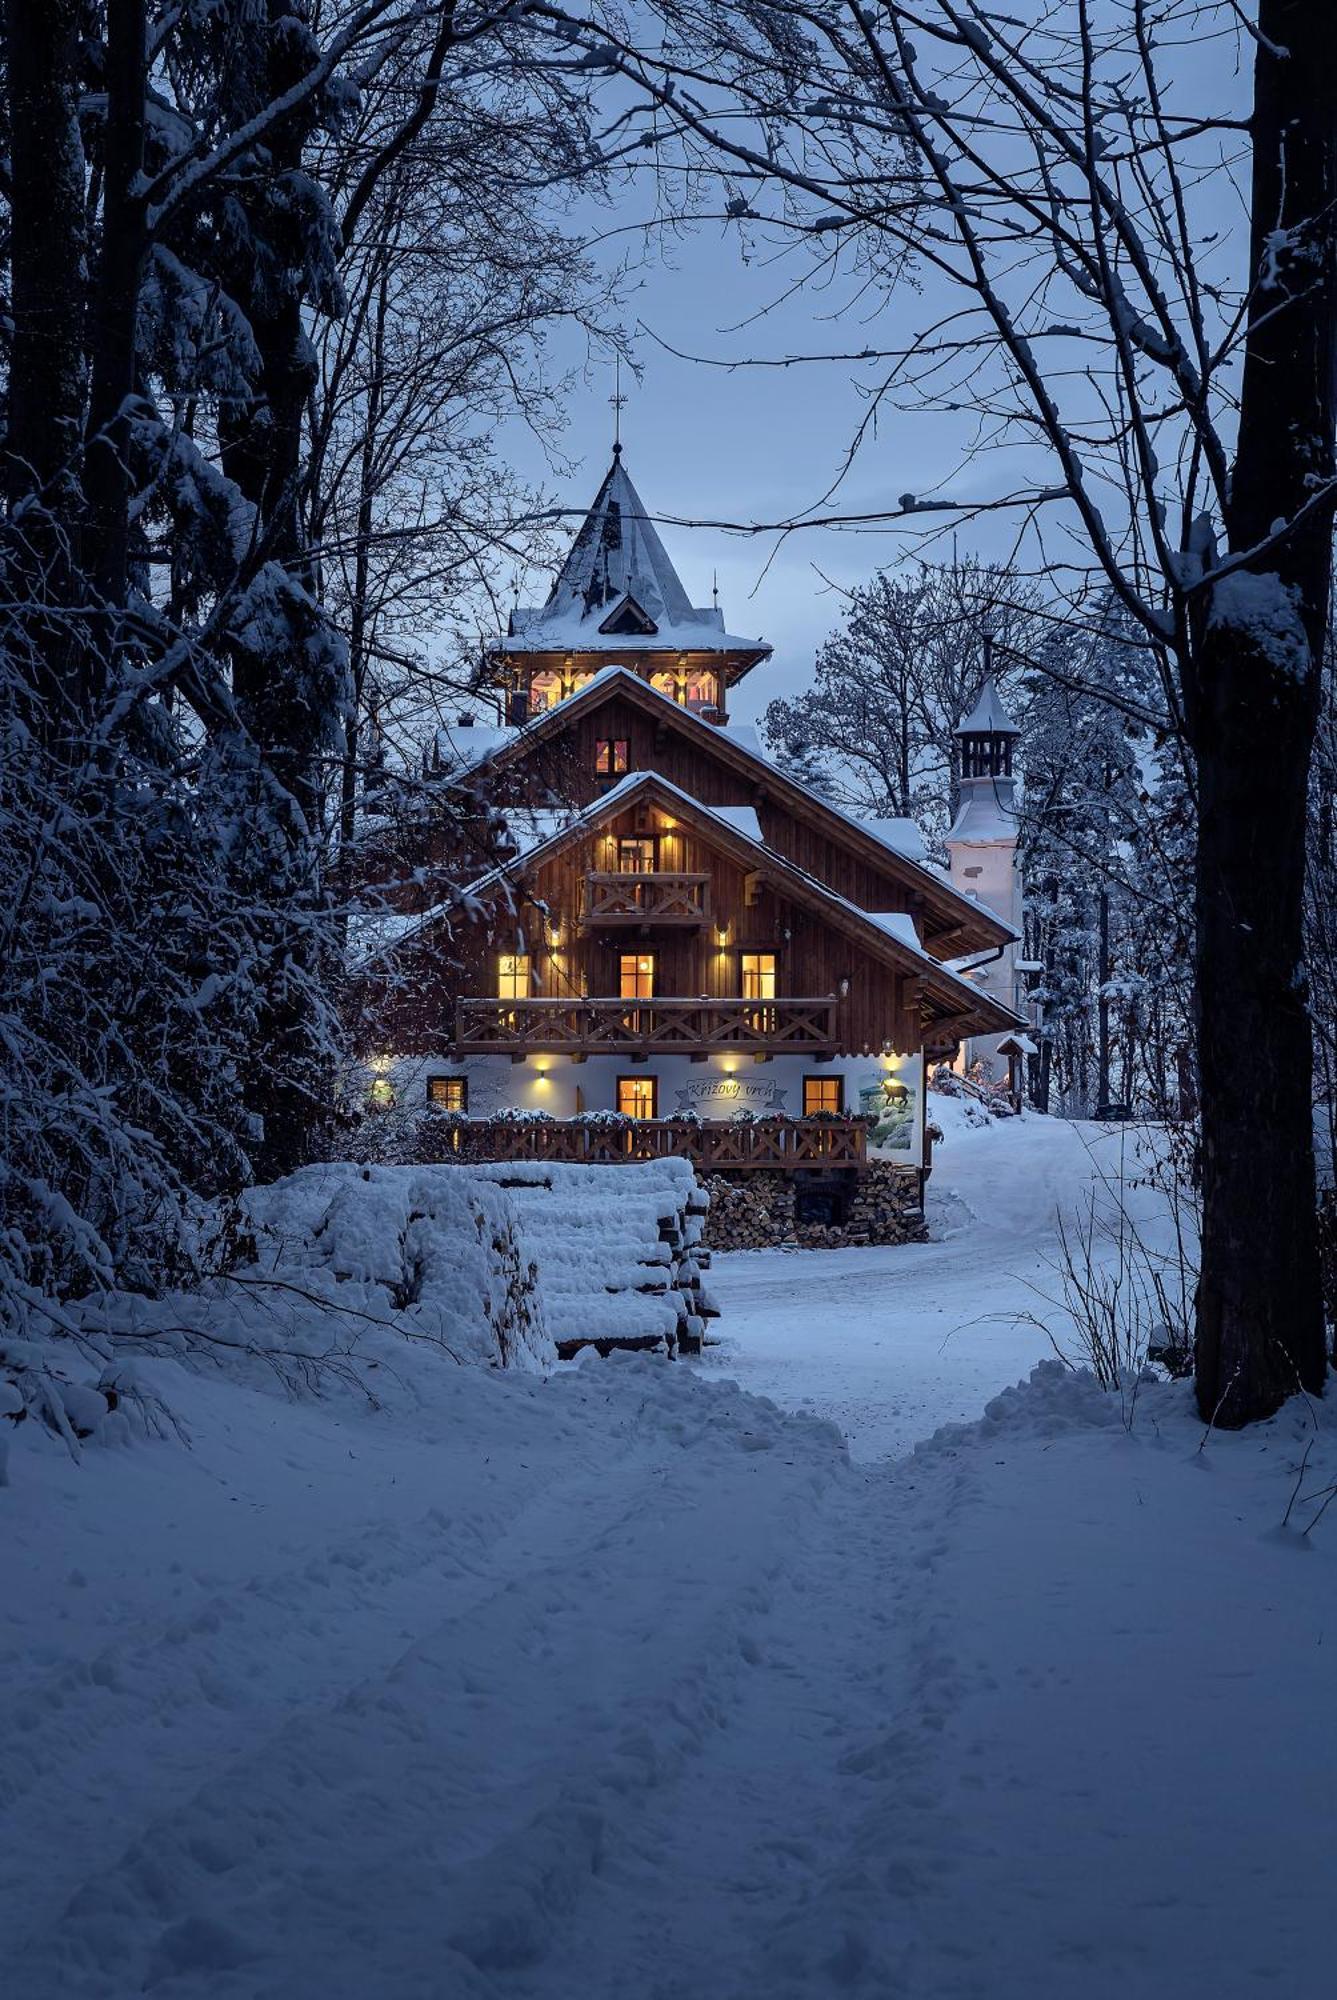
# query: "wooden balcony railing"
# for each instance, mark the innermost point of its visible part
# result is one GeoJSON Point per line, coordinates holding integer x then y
{"type": "Point", "coordinates": [680, 900]}
{"type": "Point", "coordinates": [777, 1143]}
{"type": "Point", "coordinates": [620, 1027]}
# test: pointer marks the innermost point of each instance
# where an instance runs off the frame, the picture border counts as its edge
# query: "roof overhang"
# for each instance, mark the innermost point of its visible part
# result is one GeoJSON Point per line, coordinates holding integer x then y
{"type": "Point", "coordinates": [962, 925]}
{"type": "Point", "coordinates": [949, 1004]}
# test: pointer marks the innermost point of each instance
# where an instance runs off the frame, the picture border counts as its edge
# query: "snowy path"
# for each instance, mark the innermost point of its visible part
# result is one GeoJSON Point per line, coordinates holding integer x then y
{"type": "Point", "coordinates": [627, 1684]}
{"type": "Point", "coordinates": [890, 1343]}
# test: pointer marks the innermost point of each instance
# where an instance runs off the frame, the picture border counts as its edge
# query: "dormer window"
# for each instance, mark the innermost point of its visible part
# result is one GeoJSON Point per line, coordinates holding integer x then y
{"type": "Point", "coordinates": [611, 756]}
{"type": "Point", "coordinates": [629, 618]}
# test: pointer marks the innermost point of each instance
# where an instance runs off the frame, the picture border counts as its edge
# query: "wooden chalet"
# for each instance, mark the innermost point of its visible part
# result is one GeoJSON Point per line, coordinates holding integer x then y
{"type": "Point", "coordinates": [683, 949]}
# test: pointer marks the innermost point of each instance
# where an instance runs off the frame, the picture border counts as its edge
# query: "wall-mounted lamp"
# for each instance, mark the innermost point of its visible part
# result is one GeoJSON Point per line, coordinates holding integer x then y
{"type": "Point", "coordinates": [844, 989]}
{"type": "Point", "coordinates": [721, 935]}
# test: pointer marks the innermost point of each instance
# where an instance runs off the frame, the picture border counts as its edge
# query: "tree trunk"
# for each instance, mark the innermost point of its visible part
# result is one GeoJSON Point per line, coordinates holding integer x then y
{"type": "Point", "coordinates": [107, 479]}
{"type": "Point", "coordinates": [47, 379]}
{"type": "Point", "coordinates": [1254, 713]}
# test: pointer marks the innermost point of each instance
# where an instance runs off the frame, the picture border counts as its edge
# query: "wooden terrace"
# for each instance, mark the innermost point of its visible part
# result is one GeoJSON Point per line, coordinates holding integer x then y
{"type": "Point", "coordinates": [777, 1144]}
{"type": "Point", "coordinates": [643, 1027]}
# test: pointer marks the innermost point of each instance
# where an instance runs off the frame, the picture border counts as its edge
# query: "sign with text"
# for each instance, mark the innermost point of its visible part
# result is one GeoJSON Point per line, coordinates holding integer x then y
{"type": "Point", "coordinates": [727, 1096]}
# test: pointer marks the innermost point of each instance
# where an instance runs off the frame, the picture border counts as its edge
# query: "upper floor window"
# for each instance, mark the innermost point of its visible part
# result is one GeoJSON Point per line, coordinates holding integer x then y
{"type": "Point", "coordinates": [545, 691]}
{"type": "Point", "coordinates": [638, 1096]}
{"type": "Point", "coordinates": [611, 756]}
{"type": "Point", "coordinates": [513, 975]}
{"type": "Point", "coordinates": [693, 688]}
{"type": "Point", "coordinates": [637, 856]}
{"type": "Point", "coordinates": [758, 970]}
{"type": "Point", "coordinates": [636, 975]}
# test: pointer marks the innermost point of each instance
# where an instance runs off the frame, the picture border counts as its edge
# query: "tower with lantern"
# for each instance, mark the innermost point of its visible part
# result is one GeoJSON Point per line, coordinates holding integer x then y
{"type": "Point", "coordinates": [982, 855]}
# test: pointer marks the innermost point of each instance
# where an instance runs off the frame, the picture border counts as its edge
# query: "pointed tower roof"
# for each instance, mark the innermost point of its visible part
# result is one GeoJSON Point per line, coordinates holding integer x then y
{"type": "Point", "coordinates": [988, 717]}
{"type": "Point", "coordinates": [618, 592]}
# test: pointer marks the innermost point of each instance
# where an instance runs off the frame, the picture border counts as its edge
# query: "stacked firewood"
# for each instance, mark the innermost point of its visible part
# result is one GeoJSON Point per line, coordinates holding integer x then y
{"type": "Point", "coordinates": [616, 1250]}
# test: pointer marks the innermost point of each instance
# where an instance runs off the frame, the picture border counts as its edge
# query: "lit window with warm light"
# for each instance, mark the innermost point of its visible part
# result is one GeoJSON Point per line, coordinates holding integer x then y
{"type": "Point", "coordinates": [638, 1096]}
{"type": "Point", "coordinates": [636, 975]}
{"type": "Point", "coordinates": [513, 975]}
{"type": "Point", "coordinates": [637, 856]}
{"type": "Point", "coordinates": [448, 1093]}
{"type": "Point", "coordinates": [611, 756]}
{"type": "Point", "coordinates": [823, 1095]}
{"type": "Point", "coordinates": [758, 974]}
{"type": "Point", "coordinates": [545, 691]}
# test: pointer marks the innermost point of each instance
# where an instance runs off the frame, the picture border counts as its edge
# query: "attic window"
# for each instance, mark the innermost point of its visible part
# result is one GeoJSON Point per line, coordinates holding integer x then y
{"type": "Point", "coordinates": [628, 617]}
{"type": "Point", "coordinates": [611, 756]}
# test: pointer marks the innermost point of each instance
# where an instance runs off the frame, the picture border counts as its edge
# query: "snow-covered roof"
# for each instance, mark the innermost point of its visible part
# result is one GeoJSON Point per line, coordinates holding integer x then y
{"type": "Point", "coordinates": [460, 746]}
{"type": "Point", "coordinates": [894, 925]}
{"type": "Point", "coordinates": [898, 924]}
{"type": "Point", "coordinates": [988, 717]}
{"type": "Point", "coordinates": [900, 837]}
{"type": "Point", "coordinates": [618, 591]}
{"type": "Point", "coordinates": [743, 818]}
{"type": "Point", "coordinates": [983, 814]}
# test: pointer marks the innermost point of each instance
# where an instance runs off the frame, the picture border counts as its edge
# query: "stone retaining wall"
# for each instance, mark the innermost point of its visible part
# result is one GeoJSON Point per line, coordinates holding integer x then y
{"type": "Point", "coordinates": [755, 1211]}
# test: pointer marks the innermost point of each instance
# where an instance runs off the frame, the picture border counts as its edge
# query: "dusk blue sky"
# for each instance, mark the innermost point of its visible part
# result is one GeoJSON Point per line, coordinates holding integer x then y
{"type": "Point", "coordinates": [763, 444]}
{"type": "Point", "coordinates": [755, 445]}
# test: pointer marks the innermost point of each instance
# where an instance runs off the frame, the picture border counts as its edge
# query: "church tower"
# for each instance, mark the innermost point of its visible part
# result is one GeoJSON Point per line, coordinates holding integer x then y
{"type": "Point", "coordinates": [982, 845]}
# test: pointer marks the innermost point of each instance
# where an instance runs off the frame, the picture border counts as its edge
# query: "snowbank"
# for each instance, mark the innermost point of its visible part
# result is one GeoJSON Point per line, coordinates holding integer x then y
{"type": "Point", "coordinates": [434, 1252]}
{"type": "Point", "coordinates": [357, 1277]}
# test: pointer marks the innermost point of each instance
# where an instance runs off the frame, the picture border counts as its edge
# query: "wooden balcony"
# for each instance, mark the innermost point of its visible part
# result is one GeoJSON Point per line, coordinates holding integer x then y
{"type": "Point", "coordinates": [780, 1144]}
{"type": "Point", "coordinates": [643, 1027]}
{"type": "Point", "coordinates": [633, 901]}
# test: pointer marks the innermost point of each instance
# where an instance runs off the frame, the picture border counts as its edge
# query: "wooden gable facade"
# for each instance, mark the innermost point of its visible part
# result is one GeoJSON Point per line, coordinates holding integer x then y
{"type": "Point", "coordinates": [678, 933]}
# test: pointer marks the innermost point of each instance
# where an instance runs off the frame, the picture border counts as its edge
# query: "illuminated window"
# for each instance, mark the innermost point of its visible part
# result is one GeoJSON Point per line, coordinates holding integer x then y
{"type": "Point", "coordinates": [636, 975]}
{"type": "Point", "coordinates": [759, 975]}
{"type": "Point", "coordinates": [638, 1096]}
{"type": "Point", "coordinates": [636, 857]}
{"type": "Point", "coordinates": [823, 1093]}
{"type": "Point", "coordinates": [545, 691]}
{"type": "Point", "coordinates": [667, 683]}
{"type": "Point", "coordinates": [513, 975]}
{"type": "Point", "coordinates": [448, 1093]}
{"type": "Point", "coordinates": [610, 756]}
{"type": "Point", "coordinates": [700, 690]}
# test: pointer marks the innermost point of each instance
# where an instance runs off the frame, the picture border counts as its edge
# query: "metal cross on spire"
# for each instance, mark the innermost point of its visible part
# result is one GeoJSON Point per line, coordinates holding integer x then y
{"type": "Point", "coordinates": [618, 401]}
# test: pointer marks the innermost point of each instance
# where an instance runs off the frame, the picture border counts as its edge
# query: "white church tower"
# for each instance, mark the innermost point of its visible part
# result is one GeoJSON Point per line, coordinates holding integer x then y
{"type": "Point", "coordinates": [982, 847]}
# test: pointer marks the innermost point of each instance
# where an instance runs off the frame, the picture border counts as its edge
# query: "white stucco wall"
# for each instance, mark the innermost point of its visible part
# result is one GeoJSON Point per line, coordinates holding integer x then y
{"type": "Point", "coordinates": [720, 1087]}
{"type": "Point", "coordinates": [987, 870]}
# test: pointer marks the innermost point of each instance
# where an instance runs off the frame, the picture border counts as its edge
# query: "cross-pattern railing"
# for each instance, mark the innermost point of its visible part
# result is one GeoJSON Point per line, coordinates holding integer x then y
{"type": "Point", "coordinates": [646, 899]}
{"type": "Point", "coordinates": [777, 1143]}
{"type": "Point", "coordinates": [586, 1027]}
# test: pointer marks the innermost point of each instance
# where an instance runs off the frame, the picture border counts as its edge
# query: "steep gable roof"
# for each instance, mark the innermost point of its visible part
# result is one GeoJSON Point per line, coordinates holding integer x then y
{"type": "Point", "coordinates": [972, 926]}
{"type": "Point", "coordinates": [950, 998]}
{"type": "Point", "coordinates": [617, 560]}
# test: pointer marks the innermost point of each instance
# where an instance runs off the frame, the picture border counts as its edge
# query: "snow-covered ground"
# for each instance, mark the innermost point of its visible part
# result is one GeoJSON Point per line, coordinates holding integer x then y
{"type": "Point", "coordinates": [623, 1682]}
{"type": "Point", "coordinates": [890, 1343]}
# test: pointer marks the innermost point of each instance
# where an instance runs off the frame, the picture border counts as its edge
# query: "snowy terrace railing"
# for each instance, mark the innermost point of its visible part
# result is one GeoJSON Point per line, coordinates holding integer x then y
{"type": "Point", "coordinates": [587, 1027]}
{"type": "Point", "coordinates": [775, 1143]}
{"type": "Point", "coordinates": [680, 900]}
